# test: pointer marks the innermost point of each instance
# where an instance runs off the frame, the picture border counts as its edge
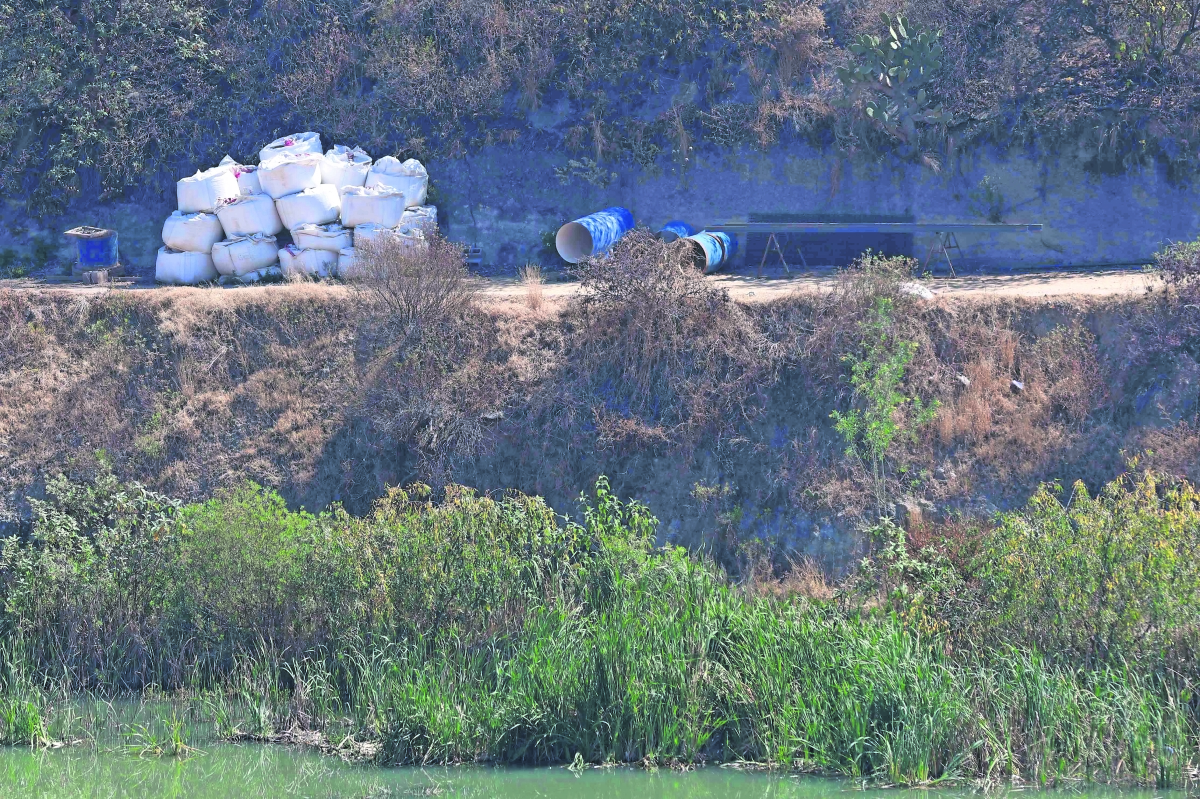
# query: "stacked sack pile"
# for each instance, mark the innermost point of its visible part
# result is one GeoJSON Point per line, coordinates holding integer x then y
{"type": "Point", "coordinates": [298, 212]}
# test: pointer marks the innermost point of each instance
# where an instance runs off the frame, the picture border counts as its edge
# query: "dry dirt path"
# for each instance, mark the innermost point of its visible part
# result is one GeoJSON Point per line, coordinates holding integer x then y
{"type": "Point", "coordinates": [746, 288]}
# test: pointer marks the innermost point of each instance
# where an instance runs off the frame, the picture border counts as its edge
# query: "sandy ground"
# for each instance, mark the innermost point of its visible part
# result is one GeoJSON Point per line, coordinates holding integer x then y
{"type": "Point", "coordinates": [748, 288]}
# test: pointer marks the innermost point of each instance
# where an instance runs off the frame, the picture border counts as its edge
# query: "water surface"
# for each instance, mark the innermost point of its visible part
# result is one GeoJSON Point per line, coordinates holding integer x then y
{"type": "Point", "coordinates": [229, 771]}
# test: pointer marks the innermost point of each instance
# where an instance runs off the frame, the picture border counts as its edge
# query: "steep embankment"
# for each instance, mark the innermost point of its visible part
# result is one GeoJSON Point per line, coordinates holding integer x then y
{"type": "Point", "coordinates": [721, 422]}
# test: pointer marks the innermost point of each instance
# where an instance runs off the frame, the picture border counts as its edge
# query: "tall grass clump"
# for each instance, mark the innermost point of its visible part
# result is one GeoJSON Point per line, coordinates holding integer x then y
{"type": "Point", "coordinates": [491, 630]}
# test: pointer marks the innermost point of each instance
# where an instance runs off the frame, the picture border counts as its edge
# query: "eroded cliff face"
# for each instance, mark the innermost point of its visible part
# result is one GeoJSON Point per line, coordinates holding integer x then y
{"type": "Point", "coordinates": [298, 388]}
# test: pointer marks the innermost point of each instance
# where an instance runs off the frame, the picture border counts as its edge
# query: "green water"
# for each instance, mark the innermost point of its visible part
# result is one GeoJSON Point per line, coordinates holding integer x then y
{"type": "Point", "coordinates": [226, 771]}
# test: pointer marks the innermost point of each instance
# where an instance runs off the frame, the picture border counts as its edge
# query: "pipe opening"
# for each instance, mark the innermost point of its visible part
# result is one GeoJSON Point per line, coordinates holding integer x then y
{"type": "Point", "coordinates": [573, 242]}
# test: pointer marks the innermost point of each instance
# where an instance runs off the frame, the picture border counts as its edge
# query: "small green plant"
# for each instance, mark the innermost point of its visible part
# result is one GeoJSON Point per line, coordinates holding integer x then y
{"type": "Point", "coordinates": [587, 170]}
{"type": "Point", "coordinates": [892, 73]}
{"type": "Point", "coordinates": [987, 200]}
{"type": "Point", "coordinates": [882, 412]}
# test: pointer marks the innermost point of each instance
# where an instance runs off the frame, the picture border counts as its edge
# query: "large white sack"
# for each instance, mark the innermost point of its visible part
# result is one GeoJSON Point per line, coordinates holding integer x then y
{"type": "Point", "coordinates": [183, 268]}
{"type": "Point", "coordinates": [246, 175]}
{"type": "Point", "coordinates": [409, 178]}
{"type": "Point", "coordinates": [318, 205]}
{"type": "Point", "coordinates": [204, 191]}
{"type": "Point", "coordinates": [250, 215]}
{"type": "Point", "coordinates": [295, 261]}
{"type": "Point", "coordinates": [371, 206]}
{"type": "Point", "coordinates": [345, 166]}
{"type": "Point", "coordinates": [346, 263]}
{"type": "Point", "coordinates": [322, 237]}
{"type": "Point", "coordinates": [365, 234]}
{"type": "Point", "coordinates": [245, 254]}
{"type": "Point", "coordinates": [192, 232]}
{"type": "Point", "coordinates": [296, 143]}
{"type": "Point", "coordinates": [423, 218]}
{"type": "Point", "coordinates": [289, 173]}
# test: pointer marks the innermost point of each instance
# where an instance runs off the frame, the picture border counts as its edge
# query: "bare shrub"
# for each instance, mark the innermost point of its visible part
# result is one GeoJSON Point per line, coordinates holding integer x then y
{"type": "Point", "coordinates": [418, 287]}
{"type": "Point", "coordinates": [1179, 265]}
{"type": "Point", "coordinates": [532, 280]}
{"type": "Point", "coordinates": [660, 354]}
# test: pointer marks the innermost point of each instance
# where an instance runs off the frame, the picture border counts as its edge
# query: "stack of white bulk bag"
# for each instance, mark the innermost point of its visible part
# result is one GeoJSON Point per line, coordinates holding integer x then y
{"type": "Point", "coordinates": [245, 254]}
{"type": "Point", "coordinates": [371, 206]}
{"type": "Point", "coordinates": [370, 232]}
{"type": "Point", "coordinates": [408, 178]}
{"type": "Point", "coordinates": [250, 215]}
{"type": "Point", "coordinates": [183, 268]}
{"type": "Point", "coordinates": [204, 191]}
{"type": "Point", "coordinates": [317, 205]}
{"type": "Point", "coordinates": [296, 143]}
{"type": "Point", "coordinates": [296, 261]}
{"type": "Point", "coordinates": [245, 175]}
{"type": "Point", "coordinates": [345, 166]}
{"type": "Point", "coordinates": [289, 173]}
{"type": "Point", "coordinates": [192, 232]}
{"type": "Point", "coordinates": [322, 237]}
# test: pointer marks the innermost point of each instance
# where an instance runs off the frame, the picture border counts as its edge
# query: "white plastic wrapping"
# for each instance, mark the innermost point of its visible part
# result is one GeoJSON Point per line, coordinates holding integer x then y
{"type": "Point", "coordinates": [319, 263]}
{"type": "Point", "coordinates": [245, 254]}
{"type": "Point", "coordinates": [246, 176]}
{"type": "Point", "coordinates": [346, 263]}
{"type": "Point", "coordinates": [296, 143]}
{"type": "Point", "coordinates": [409, 178]}
{"type": "Point", "coordinates": [192, 232]}
{"type": "Point", "coordinates": [290, 173]}
{"type": "Point", "coordinates": [204, 191]}
{"type": "Point", "coordinates": [250, 215]}
{"type": "Point", "coordinates": [345, 166]}
{"type": "Point", "coordinates": [371, 206]}
{"type": "Point", "coordinates": [318, 205]}
{"type": "Point", "coordinates": [322, 237]}
{"type": "Point", "coordinates": [422, 217]}
{"type": "Point", "coordinates": [183, 268]}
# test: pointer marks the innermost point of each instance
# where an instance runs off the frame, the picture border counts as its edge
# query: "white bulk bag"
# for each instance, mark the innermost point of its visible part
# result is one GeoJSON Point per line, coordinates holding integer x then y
{"type": "Point", "coordinates": [346, 263]}
{"type": "Point", "coordinates": [244, 255]}
{"type": "Point", "coordinates": [246, 176]}
{"type": "Point", "coordinates": [345, 166]}
{"type": "Point", "coordinates": [289, 173]}
{"type": "Point", "coordinates": [294, 260]}
{"type": "Point", "coordinates": [203, 191]}
{"type": "Point", "coordinates": [409, 178]}
{"type": "Point", "coordinates": [318, 205]}
{"type": "Point", "coordinates": [183, 268]}
{"type": "Point", "coordinates": [370, 232]}
{"type": "Point", "coordinates": [363, 206]}
{"type": "Point", "coordinates": [322, 237]}
{"type": "Point", "coordinates": [246, 216]}
{"type": "Point", "coordinates": [192, 232]}
{"type": "Point", "coordinates": [423, 218]}
{"type": "Point", "coordinates": [296, 143]}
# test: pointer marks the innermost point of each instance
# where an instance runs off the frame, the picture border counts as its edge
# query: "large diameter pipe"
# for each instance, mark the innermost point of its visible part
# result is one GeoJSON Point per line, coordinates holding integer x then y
{"type": "Point", "coordinates": [675, 230]}
{"type": "Point", "coordinates": [592, 234]}
{"type": "Point", "coordinates": [711, 251]}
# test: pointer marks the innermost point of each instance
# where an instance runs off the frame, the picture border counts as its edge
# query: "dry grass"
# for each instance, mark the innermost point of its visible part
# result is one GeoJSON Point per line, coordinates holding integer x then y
{"type": "Point", "coordinates": [533, 281]}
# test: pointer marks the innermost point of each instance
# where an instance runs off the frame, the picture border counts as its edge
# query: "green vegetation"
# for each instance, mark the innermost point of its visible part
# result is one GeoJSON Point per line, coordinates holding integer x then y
{"type": "Point", "coordinates": [480, 629]}
{"type": "Point", "coordinates": [112, 94]}
{"type": "Point", "coordinates": [881, 411]}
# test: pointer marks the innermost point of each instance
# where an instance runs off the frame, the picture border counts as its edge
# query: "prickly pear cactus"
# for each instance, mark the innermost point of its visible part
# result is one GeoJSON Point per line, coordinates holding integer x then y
{"type": "Point", "coordinates": [892, 72]}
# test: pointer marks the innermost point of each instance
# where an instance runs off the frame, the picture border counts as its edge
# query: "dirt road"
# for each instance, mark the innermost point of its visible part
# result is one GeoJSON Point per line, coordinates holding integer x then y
{"type": "Point", "coordinates": [748, 288]}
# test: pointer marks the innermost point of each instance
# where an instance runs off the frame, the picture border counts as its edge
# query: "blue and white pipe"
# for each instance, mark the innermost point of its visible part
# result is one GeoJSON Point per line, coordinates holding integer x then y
{"type": "Point", "coordinates": [674, 230]}
{"type": "Point", "coordinates": [713, 251]}
{"type": "Point", "coordinates": [592, 234]}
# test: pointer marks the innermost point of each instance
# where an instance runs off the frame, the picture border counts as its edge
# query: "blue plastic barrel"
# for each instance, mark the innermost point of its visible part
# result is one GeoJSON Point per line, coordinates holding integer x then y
{"type": "Point", "coordinates": [675, 229]}
{"type": "Point", "coordinates": [712, 250]}
{"type": "Point", "coordinates": [97, 247]}
{"type": "Point", "coordinates": [592, 234]}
